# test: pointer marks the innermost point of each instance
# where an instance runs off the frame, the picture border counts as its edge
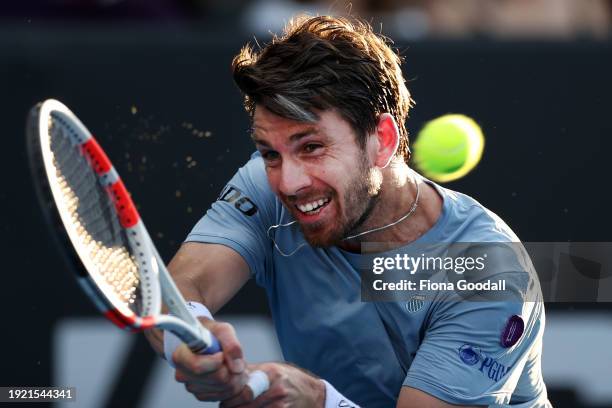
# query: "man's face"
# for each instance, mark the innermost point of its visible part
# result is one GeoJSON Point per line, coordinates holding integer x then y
{"type": "Point", "coordinates": [319, 172]}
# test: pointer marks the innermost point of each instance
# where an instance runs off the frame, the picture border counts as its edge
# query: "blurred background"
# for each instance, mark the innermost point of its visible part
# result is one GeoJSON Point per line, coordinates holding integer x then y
{"type": "Point", "coordinates": [151, 79]}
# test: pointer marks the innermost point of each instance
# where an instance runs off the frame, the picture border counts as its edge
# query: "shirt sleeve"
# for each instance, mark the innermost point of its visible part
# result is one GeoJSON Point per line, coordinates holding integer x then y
{"type": "Point", "coordinates": [241, 216]}
{"type": "Point", "coordinates": [475, 351]}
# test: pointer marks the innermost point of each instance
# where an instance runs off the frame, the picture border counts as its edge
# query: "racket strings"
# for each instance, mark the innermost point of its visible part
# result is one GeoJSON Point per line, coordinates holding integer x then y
{"type": "Point", "coordinates": [95, 222]}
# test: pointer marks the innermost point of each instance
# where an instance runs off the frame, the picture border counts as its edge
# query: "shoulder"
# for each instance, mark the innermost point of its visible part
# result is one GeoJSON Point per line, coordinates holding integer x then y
{"type": "Point", "coordinates": [472, 231]}
{"type": "Point", "coordinates": [249, 190]}
{"type": "Point", "coordinates": [252, 174]}
{"type": "Point", "coordinates": [471, 221]}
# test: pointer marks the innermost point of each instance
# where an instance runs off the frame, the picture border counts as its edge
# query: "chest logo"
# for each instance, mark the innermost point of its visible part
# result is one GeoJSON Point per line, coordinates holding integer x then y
{"type": "Point", "coordinates": [415, 303]}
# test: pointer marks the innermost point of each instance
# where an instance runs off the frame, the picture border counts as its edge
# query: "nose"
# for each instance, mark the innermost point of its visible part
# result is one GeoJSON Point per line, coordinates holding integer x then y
{"type": "Point", "coordinates": [293, 177]}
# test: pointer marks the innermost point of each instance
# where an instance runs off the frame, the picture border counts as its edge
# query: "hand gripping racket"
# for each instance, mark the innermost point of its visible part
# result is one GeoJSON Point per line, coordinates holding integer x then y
{"type": "Point", "coordinates": [98, 226]}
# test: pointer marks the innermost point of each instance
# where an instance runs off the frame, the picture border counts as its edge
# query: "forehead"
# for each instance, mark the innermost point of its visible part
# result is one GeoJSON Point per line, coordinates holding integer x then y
{"type": "Point", "coordinates": [269, 125]}
{"type": "Point", "coordinates": [265, 121]}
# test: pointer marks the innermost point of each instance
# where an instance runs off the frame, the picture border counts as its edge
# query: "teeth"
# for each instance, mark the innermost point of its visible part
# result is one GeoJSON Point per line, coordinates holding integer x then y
{"type": "Point", "coordinates": [313, 205]}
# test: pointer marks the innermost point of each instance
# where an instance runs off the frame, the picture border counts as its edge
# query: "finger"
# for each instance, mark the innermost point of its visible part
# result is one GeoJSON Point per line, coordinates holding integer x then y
{"type": "Point", "coordinates": [244, 397]}
{"type": "Point", "coordinates": [217, 392]}
{"type": "Point", "coordinates": [258, 384]}
{"type": "Point", "coordinates": [230, 385]}
{"type": "Point", "coordinates": [212, 382]}
{"type": "Point", "coordinates": [232, 351]}
{"type": "Point", "coordinates": [267, 401]}
{"type": "Point", "coordinates": [222, 376]}
{"type": "Point", "coordinates": [180, 376]}
{"type": "Point", "coordinates": [199, 388]}
{"type": "Point", "coordinates": [195, 364]}
{"type": "Point", "coordinates": [212, 396]}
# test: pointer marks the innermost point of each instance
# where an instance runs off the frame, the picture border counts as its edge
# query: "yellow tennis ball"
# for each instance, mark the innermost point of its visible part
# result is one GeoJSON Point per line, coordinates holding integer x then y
{"type": "Point", "coordinates": [448, 147]}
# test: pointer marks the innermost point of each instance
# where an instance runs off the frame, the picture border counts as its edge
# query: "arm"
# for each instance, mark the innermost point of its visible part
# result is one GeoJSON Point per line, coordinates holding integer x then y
{"type": "Point", "coordinates": [225, 248]}
{"type": "Point", "coordinates": [210, 274]}
{"type": "Point", "coordinates": [295, 387]}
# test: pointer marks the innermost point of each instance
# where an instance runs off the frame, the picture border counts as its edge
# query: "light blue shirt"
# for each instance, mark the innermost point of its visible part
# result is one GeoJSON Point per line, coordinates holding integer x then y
{"type": "Point", "coordinates": [369, 350]}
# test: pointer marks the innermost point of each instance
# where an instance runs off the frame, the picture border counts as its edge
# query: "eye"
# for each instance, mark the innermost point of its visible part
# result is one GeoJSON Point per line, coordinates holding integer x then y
{"type": "Point", "coordinates": [312, 147]}
{"type": "Point", "coordinates": [270, 155]}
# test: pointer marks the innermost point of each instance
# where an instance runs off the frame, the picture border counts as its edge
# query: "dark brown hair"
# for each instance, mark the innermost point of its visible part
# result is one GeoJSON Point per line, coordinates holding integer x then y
{"type": "Point", "coordinates": [327, 62]}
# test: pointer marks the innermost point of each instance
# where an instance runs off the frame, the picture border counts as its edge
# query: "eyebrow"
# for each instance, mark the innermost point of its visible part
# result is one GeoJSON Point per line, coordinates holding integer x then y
{"type": "Point", "coordinates": [293, 138]}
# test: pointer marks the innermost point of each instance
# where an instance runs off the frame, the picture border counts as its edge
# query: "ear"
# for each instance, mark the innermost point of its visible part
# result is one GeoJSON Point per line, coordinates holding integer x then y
{"type": "Point", "coordinates": [387, 136]}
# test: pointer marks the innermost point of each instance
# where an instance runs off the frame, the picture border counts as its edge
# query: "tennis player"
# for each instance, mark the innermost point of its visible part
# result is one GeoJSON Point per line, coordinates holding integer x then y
{"type": "Point", "coordinates": [328, 104]}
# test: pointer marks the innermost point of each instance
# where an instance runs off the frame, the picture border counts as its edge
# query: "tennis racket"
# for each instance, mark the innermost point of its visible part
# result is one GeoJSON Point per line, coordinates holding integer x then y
{"type": "Point", "coordinates": [100, 230]}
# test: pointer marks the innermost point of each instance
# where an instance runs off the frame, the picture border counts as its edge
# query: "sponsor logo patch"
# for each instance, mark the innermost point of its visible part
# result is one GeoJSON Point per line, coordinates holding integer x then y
{"type": "Point", "coordinates": [468, 354]}
{"type": "Point", "coordinates": [488, 366]}
{"type": "Point", "coordinates": [242, 203]}
{"type": "Point", "coordinates": [512, 331]}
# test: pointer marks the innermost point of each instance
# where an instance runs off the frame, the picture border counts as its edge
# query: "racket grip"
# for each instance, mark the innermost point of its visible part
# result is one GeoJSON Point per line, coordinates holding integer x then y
{"type": "Point", "coordinates": [199, 345]}
{"type": "Point", "coordinates": [214, 347]}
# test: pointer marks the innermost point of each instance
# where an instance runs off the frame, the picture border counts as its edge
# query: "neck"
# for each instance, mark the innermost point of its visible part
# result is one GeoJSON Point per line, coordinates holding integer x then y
{"type": "Point", "coordinates": [396, 198]}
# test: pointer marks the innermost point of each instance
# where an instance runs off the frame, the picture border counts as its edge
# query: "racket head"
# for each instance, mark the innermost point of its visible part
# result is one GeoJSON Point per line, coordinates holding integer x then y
{"type": "Point", "coordinates": [93, 217]}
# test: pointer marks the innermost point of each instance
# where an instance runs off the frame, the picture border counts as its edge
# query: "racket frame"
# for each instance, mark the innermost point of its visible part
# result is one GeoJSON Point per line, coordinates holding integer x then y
{"type": "Point", "coordinates": [180, 322]}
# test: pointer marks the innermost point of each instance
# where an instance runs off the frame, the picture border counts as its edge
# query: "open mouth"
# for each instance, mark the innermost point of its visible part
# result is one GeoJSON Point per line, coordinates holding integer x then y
{"type": "Point", "coordinates": [313, 207]}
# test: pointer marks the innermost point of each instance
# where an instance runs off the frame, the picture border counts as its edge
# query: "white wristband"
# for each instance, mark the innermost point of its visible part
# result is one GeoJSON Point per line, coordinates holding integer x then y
{"type": "Point", "coordinates": [198, 309]}
{"type": "Point", "coordinates": [171, 342]}
{"type": "Point", "coordinates": [333, 399]}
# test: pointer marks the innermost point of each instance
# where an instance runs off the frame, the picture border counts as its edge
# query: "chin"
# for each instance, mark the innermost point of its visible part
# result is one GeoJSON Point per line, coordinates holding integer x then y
{"type": "Point", "coordinates": [322, 238]}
